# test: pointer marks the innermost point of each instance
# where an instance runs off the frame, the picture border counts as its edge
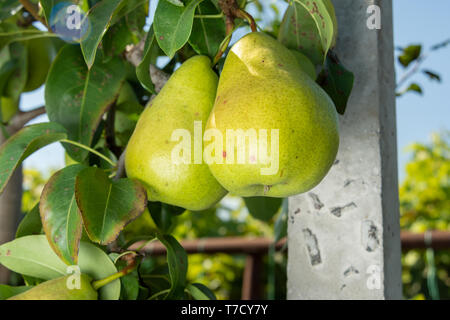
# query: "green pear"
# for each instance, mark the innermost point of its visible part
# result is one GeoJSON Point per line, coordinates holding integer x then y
{"type": "Point", "coordinates": [288, 136]}
{"type": "Point", "coordinates": [57, 289]}
{"type": "Point", "coordinates": [186, 98]}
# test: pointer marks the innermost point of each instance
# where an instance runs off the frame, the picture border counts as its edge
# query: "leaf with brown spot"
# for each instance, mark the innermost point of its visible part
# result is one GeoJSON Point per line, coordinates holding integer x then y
{"type": "Point", "coordinates": [107, 206]}
{"type": "Point", "coordinates": [337, 81]}
{"type": "Point", "coordinates": [77, 97]}
{"type": "Point", "coordinates": [59, 214]}
{"type": "Point", "coordinates": [308, 26]}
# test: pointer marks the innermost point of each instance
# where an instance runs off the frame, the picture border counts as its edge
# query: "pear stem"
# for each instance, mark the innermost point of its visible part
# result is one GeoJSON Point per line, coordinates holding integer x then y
{"type": "Point", "coordinates": [246, 16]}
{"type": "Point", "coordinates": [223, 47]}
{"type": "Point", "coordinates": [90, 150]}
{"type": "Point", "coordinates": [103, 282]}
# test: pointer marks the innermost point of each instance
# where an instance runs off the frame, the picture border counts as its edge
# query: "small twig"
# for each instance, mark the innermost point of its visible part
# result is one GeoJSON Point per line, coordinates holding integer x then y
{"type": "Point", "coordinates": [34, 11]}
{"type": "Point", "coordinates": [103, 282]}
{"type": "Point", "coordinates": [420, 61]}
{"type": "Point", "coordinates": [159, 294]}
{"type": "Point", "coordinates": [412, 71]}
{"type": "Point", "coordinates": [135, 52]}
{"type": "Point", "coordinates": [120, 173]}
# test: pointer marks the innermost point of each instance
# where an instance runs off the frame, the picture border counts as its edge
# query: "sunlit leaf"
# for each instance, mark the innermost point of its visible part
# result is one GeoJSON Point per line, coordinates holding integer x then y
{"type": "Point", "coordinates": [99, 17]}
{"type": "Point", "coordinates": [410, 54]}
{"type": "Point", "coordinates": [59, 212]}
{"type": "Point", "coordinates": [173, 25]}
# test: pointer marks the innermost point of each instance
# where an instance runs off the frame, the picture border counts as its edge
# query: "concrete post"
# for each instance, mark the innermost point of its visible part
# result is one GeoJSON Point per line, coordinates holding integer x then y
{"type": "Point", "coordinates": [344, 235]}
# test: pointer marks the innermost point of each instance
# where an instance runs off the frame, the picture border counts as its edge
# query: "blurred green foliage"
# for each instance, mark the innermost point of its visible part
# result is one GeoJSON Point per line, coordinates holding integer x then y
{"type": "Point", "coordinates": [425, 205]}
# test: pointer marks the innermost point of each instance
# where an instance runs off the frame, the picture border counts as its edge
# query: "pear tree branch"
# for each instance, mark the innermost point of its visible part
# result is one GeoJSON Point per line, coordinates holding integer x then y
{"type": "Point", "coordinates": [34, 11]}
{"type": "Point", "coordinates": [232, 11]}
{"type": "Point", "coordinates": [23, 117]}
{"type": "Point", "coordinates": [134, 55]}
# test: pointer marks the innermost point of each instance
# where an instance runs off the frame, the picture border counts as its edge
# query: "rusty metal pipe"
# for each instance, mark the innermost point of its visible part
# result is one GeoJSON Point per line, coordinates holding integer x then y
{"type": "Point", "coordinates": [241, 245]}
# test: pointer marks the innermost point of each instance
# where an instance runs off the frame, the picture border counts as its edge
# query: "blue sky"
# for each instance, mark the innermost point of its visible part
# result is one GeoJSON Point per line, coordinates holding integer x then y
{"type": "Point", "coordinates": [415, 21]}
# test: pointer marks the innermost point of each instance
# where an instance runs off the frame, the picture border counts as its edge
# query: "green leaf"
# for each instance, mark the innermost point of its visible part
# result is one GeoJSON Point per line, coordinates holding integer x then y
{"type": "Point", "coordinates": [8, 291]}
{"type": "Point", "coordinates": [48, 5]}
{"type": "Point", "coordinates": [21, 145]}
{"type": "Point", "coordinates": [263, 208]}
{"type": "Point", "coordinates": [6, 70]}
{"type": "Point", "coordinates": [100, 18]}
{"type": "Point", "coordinates": [137, 20]}
{"type": "Point", "coordinates": [129, 7]}
{"type": "Point", "coordinates": [129, 283]}
{"type": "Point", "coordinates": [432, 75]}
{"type": "Point", "coordinates": [11, 35]}
{"type": "Point", "coordinates": [280, 227]}
{"type": "Point", "coordinates": [117, 38]}
{"type": "Point", "coordinates": [207, 34]}
{"type": "Point", "coordinates": [31, 224]}
{"type": "Point", "coordinates": [59, 212]}
{"type": "Point", "coordinates": [178, 263]}
{"type": "Point", "coordinates": [9, 8]}
{"type": "Point", "coordinates": [32, 256]}
{"type": "Point", "coordinates": [151, 51]}
{"type": "Point", "coordinates": [107, 206]}
{"type": "Point", "coordinates": [410, 54]}
{"type": "Point", "coordinates": [415, 88]}
{"type": "Point", "coordinates": [440, 45]}
{"type": "Point", "coordinates": [163, 214]}
{"type": "Point", "coordinates": [308, 26]}
{"type": "Point", "coordinates": [77, 97]}
{"type": "Point", "coordinates": [337, 81]}
{"type": "Point", "coordinates": [200, 292]}
{"type": "Point", "coordinates": [17, 80]}
{"type": "Point", "coordinates": [173, 25]}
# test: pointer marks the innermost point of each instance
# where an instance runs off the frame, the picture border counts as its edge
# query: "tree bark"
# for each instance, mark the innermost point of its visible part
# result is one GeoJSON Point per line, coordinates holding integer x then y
{"type": "Point", "coordinates": [10, 210]}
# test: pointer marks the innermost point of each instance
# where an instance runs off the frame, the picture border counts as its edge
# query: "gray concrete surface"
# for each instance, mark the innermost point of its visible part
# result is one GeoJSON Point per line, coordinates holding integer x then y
{"type": "Point", "coordinates": [344, 235]}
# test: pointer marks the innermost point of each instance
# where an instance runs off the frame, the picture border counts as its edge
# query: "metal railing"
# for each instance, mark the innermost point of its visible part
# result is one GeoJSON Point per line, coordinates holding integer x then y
{"type": "Point", "coordinates": [256, 248]}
